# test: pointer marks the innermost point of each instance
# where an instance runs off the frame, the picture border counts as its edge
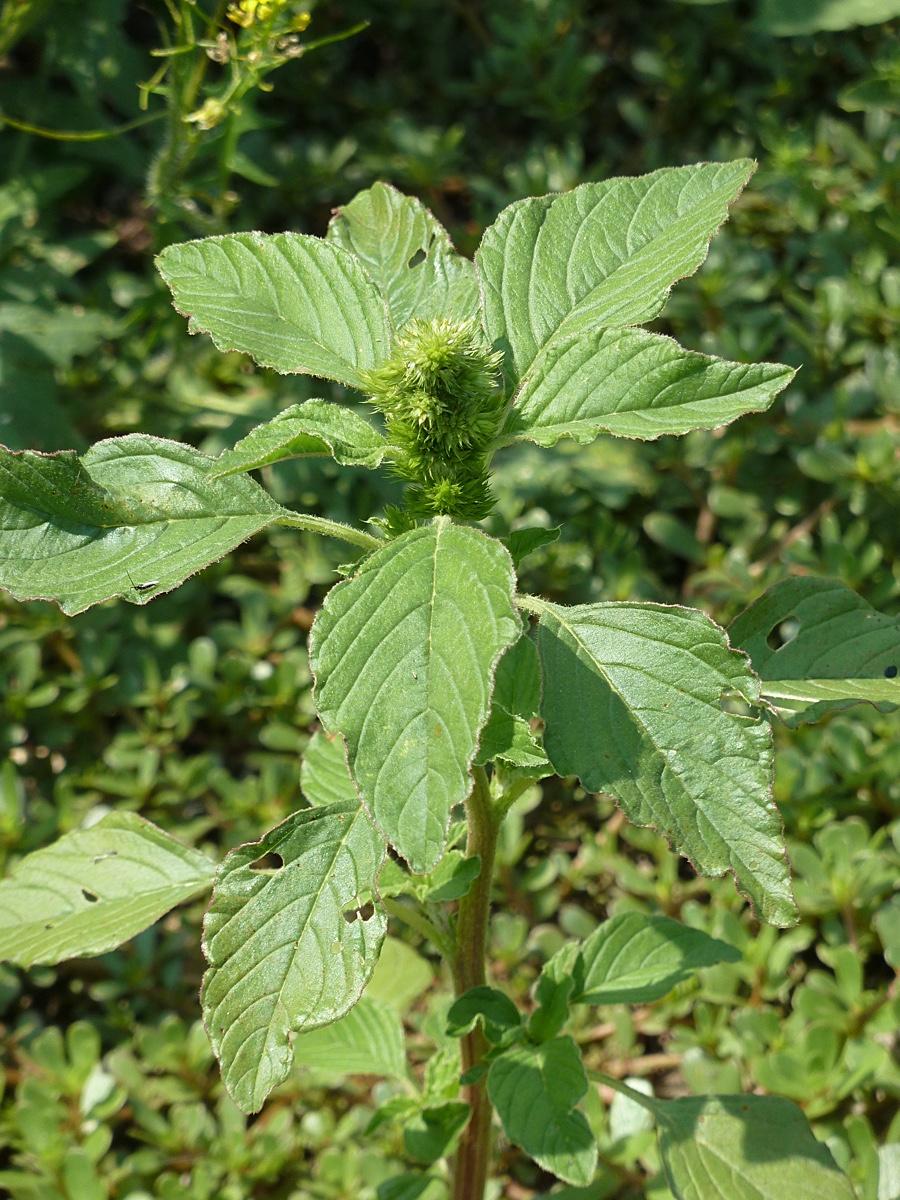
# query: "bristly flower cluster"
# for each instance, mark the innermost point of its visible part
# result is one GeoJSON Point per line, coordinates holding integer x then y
{"type": "Point", "coordinates": [440, 395]}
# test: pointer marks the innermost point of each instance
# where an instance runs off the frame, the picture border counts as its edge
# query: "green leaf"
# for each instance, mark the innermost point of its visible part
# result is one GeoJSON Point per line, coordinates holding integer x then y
{"type": "Point", "coordinates": [788, 18]}
{"type": "Point", "coordinates": [633, 959]}
{"type": "Point", "coordinates": [604, 254]}
{"type": "Point", "coordinates": [841, 650]}
{"type": "Point", "coordinates": [633, 705]}
{"type": "Point", "coordinates": [315, 427]}
{"type": "Point", "coordinates": [430, 1134]}
{"type": "Point", "coordinates": [452, 878]}
{"type": "Point", "coordinates": [293, 302]}
{"type": "Point", "coordinates": [367, 1041]}
{"type": "Point", "coordinates": [408, 254]}
{"type": "Point", "coordinates": [560, 978]}
{"type": "Point", "coordinates": [95, 888]}
{"type": "Point", "coordinates": [408, 1186]}
{"type": "Point", "coordinates": [400, 976]}
{"type": "Point", "coordinates": [515, 701]}
{"type": "Point", "coordinates": [752, 1147]}
{"type": "Point", "coordinates": [635, 384]}
{"type": "Point", "coordinates": [403, 655]}
{"type": "Point", "coordinates": [284, 958]}
{"type": "Point", "coordinates": [324, 778]}
{"type": "Point", "coordinates": [133, 518]}
{"type": "Point", "coordinates": [493, 1008]}
{"type": "Point", "coordinates": [522, 542]}
{"type": "Point", "coordinates": [534, 1090]}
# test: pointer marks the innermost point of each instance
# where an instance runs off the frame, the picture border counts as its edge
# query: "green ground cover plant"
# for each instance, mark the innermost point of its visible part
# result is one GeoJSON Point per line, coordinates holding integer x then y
{"type": "Point", "coordinates": [440, 707]}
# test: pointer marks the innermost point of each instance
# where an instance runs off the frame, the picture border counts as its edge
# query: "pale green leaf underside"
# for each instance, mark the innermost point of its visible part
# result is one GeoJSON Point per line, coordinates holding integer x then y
{"type": "Point", "coordinates": [403, 655]}
{"type": "Point", "coordinates": [515, 700]}
{"type": "Point", "coordinates": [632, 705]}
{"type": "Point", "coordinates": [603, 254]}
{"type": "Point", "coordinates": [634, 959]}
{"type": "Point", "coordinates": [745, 1148]}
{"type": "Point", "coordinates": [635, 384]}
{"type": "Point", "coordinates": [134, 517]}
{"type": "Point", "coordinates": [842, 650]}
{"type": "Point", "coordinates": [283, 957]}
{"type": "Point", "coordinates": [387, 232]}
{"type": "Point", "coordinates": [534, 1090]}
{"type": "Point", "coordinates": [95, 888]}
{"type": "Point", "coordinates": [324, 778]}
{"type": "Point", "coordinates": [293, 302]}
{"type": "Point", "coordinates": [315, 427]}
{"type": "Point", "coordinates": [367, 1041]}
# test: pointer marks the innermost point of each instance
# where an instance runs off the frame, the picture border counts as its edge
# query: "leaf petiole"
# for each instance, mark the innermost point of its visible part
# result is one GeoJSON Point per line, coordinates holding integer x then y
{"type": "Point", "coordinates": [336, 529]}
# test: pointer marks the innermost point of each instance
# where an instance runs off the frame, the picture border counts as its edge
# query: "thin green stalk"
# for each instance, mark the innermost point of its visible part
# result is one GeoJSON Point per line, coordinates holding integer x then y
{"type": "Point", "coordinates": [418, 921]}
{"type": "Point", "coordinates": [617, 1085]}
{"type": "Point", "coordinates": [470, 1167]}
{"type": "Point", "coordinates": [346, 533]}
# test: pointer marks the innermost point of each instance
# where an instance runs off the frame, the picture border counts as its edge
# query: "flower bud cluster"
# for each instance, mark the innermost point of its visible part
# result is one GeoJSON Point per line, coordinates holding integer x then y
{"type": "Point", "coordinates": [440, 395]}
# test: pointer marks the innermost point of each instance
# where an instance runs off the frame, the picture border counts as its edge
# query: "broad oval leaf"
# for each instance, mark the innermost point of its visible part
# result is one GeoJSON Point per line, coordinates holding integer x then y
{"type": "Point", "coordinates": [603, 254]}
{"type": "Point", "coordinates": [788, 18]}
{"type": "Point", "coordinates": [324, 778]}
{"type": "Point", "coordinates": [367, 1041]}
{"type": "Point", "coordinates": [633, 705]}
{"type": "Point", "coordinates": [633, 959]}
{"type": "Point", "coordinates": [293, 302]}
{"type": "Point", "coordinates": [133, 518]}
{"type": "Point", "coordinates": [841, 650]}
{"type": "Point", "coordinates": [95, 888]}
{"type": "Point", "coordinates": [635, 384]}
{"type": "Point", "coordinates": [408, 254]}
{"type": "Point", "coordinates": [403, 655]}
{"type": "Point", "coordinates": [315, 427]}
{"type": "Point", "coordinates": [535, 1090]}
{"type": "Point", "coordinates": [284, 958]}
{"type": "Point", "coordinates": [755, 1147]}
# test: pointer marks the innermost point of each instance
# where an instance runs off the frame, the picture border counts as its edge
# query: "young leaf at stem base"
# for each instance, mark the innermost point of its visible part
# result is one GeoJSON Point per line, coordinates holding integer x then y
{"type": "Point", "coordinates": [633, 705]}
{"type": "Point", "coordinates": [315, 427]}
{"type": "Point", "coordinates": [535, 1090]}
{"type": "Point", "coordinates": [403, 655]}
{"type": "Point", "coordinates": [285, 952]}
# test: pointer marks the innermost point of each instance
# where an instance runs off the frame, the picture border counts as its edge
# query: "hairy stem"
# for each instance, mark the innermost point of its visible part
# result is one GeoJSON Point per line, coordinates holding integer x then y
{"type": "Point", "coordinates": [470, 1167]}
{"type": "Point", "coordinates": [330, 529]}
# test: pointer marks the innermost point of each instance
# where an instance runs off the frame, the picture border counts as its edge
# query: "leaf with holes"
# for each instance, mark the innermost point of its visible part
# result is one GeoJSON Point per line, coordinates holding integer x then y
{"type": "Point", "coordinates": [95, 888]}
{"type": "Point", "coordinates": [287, 950]}
{"type": "Point", "coordinates": [632, 704]}
{"type": "Point", "coordinates": [535, 1090]}
{"type": "Point", "coordinates": [841, 650]}
{"type": "Point", "coordinates": [605, 254]}
{"type": "Point", "coordinates": [404, 655]}
{"type": "Point", "coordinates": [133, 518]}
{"type": "Point", "coordinates": [367, 1041]}
{"type": "Point", "coordinates": [635, 384]}
{"type": "Point", "coordinates": [635, 959]}
{"type": "Point", "coordinates": [324, 778]}
{"type": "Point", "coordinates": [293, 302]}
{"type": "Point", "coordinates": [408, 254]}
{"type": "Point", "coordinates": [758, 1147]}
{"type": "Point", "coordinates": [312, 428]}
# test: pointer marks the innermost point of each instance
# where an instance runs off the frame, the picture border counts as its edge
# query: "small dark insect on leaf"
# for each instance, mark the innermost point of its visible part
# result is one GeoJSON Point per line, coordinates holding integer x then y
{"type": "Point", "coordinates": [890, 672]}
{"type": "Point", "coordinates": [142, 587]}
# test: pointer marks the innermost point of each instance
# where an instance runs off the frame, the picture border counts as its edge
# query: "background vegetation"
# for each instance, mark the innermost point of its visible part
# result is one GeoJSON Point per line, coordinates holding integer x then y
{"type": "Point", "coordinates": [193, 710]}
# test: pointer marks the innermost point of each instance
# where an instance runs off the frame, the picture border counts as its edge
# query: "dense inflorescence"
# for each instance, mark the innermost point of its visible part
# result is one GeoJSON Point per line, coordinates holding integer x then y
{"type": "Point", "coordinates": [441, 398]}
